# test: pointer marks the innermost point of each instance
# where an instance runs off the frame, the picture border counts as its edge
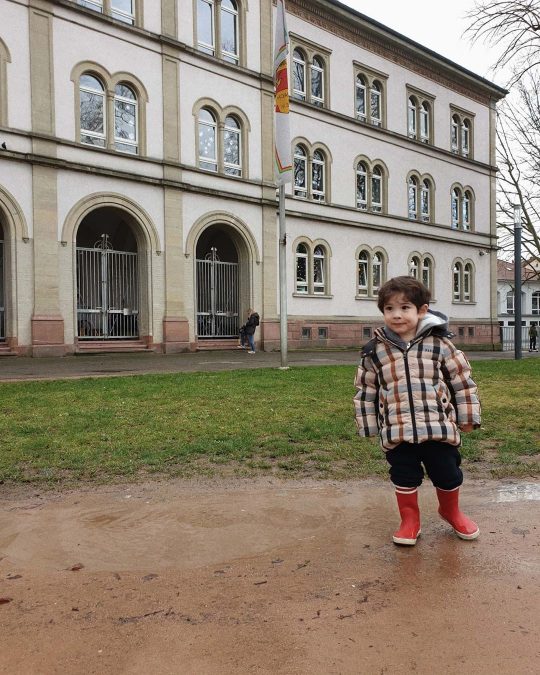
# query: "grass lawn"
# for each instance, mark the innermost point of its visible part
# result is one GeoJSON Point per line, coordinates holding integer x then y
{"type": "Point", "coordinates": [245, 423]}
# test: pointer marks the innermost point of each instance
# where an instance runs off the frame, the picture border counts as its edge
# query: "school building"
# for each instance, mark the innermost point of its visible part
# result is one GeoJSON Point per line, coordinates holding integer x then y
{"type": "Point", "coordinates": [137, 196]}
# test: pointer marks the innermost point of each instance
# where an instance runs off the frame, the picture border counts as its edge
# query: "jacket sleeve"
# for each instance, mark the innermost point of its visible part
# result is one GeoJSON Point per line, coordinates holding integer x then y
{"type": "Point", "coordinates": [366, 399]}
{"type": "Point", "coordinates": [463, 389]}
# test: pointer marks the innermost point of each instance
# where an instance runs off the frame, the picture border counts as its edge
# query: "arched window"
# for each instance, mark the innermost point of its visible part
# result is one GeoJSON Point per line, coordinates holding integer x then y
{"type": "Point", "coordinates": [317, 81]}
{"type": "Point", "coordinates": [419, 115]}
{"type": "Point", "coordinates": [219, 18]}
{"type": "Point", "coordinates": [317, 176]}
{"type": "Point", "coordinates": [361, 186]}
{"type": "Point", "coordinates": [411, 117]}
{"type": "Point", "coordinates": [232, 161]}
{"type": "Point", "coordinates": [377, 189]}
{"type": "Point", "coordinates": [458, 281]}
{"type": "Point", "coordinates": [510, 302]}
{"type": "Point", "coordinates": [425, 201]}
{"type": "Point", "coordinates": [319, 271]}
{"type": "Point", "coordinates": [466, 211]}
{"type": "Point", "coordinates": [301, 268]}
{"type": "Point", "coordinates": [122, 10]}
{"type": "Point", "coordinates": [375, 104]}
{"type": "Point", "coordinates": [535, 308]}
{"type": "Point", "coordinates": [454, 134]}
{"type": "Point", "coordinates": [414, 267]}
{"type": "Point", "coordinates": [361, 112]}
{"type": "Point", "coordinates": [229, 31]}
{"type": "Point", "coordinates": [424, 122]}
{"type": "Point", "coordinates": [465, 137]}
{"type": "Point", "coordinates": [300, 171]}
{"type": "Point", "coordinates": [206, 30]}
{"type": "Point", "coordinates": [456, 198]}
{"type": "Point", "coordinates": [299, 75]}
{"type": "Point", "coordinates": [371, 273]}
{"type": "Point", "coordinates": [461, 131]}
{"type": "Point", "coordinates": [427, 273]}
{"type": "Point", "coordinates": [462, 202]}
{"type": "Point", "coordinates": [92, 111]}
{"type": "Point", "coordinates": [125, 119]}
{"type": "Point", "coordinates": [207, 140]}
{"type": "Point", "coordinates": [463, 282]}
{"type": "Point", "coordinates": [413, 198]}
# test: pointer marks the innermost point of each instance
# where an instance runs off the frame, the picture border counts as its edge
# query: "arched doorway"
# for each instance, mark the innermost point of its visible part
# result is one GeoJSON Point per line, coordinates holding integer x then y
{"type": "Point", "coordinates": [222, 280]}
{"type": "Point", "coordinates": [108, 274]}
{"type": "Point", "coordinates": [2, 286]}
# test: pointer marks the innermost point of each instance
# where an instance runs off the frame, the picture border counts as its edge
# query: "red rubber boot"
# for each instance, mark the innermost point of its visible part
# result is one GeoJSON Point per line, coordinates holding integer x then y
{"type": "Point", "coordinates": [464, 527]}
{"type": "Point", "coordinates": [407, 499]}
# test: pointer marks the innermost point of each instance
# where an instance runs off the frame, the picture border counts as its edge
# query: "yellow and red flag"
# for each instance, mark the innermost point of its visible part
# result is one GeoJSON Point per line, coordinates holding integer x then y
{"type": "Point", "coordinates": [282, 150]}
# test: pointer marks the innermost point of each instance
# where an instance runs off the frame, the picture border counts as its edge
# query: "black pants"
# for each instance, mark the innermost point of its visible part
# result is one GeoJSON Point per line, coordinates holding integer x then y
{"type": "Point", "coordinates": [441, 462]}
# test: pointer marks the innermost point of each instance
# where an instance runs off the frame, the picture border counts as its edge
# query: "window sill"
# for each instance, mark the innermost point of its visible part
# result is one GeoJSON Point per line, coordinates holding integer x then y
{"type": "Point", "coordinates": [366, 297]}
{"type": "Point", "coordinates": [463, 302]}
{"type": "Point", "coordinates": [324, 296]}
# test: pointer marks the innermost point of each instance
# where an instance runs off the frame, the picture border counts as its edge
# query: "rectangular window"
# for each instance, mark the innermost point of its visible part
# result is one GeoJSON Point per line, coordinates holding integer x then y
{"type": "Point", "coordinates": [376, 107]}
{"type": "Point", "coordinates": [362, 277]}
{"type": "Point", "coordinates": [229, 36]}
{"type": "Point", "coordinates": [301, 274]}
{"type": "Point", "coordinates": [125, 126]}
{"type": "Point", "coordinates": [471, 331]}
{"type": "Point", "coordinates": [412, 202]}
{"type": "Point", "coordinates": [361, 101]}
{"type": "Point", "coordinates": [318, 275]}
{"type": "Point", "coordinates": [231, 150]}
{"type": "Point", "coordinates": [299, 80]}
{"type": "Point", "coordinates": [323, 333]}
{"type": "Point", "coordinates": [300, 187]}
{"type": "Point", "coordinates": [376, 194]}
{"type": "Point", "coordinates": [306, 333]}
{"type": "Point", "coordinates": [457, 286]}
{"type": "Point", "coordinates": [361, 191]}
{"type": "Point", "coordinates": [424, 125]}
{"type": "Point", "coordinates": [466, 285]}
{"type": "Point", "coordinates": [366, 332]}
{"type": "Point", "coordinates": [461, 331]}
{"type": "Point", "coordinates": [424, 204]}
{"type": "Point", "coordinates": [96, 5]}
{"type": "Point", "coordinates": [412, 121]}
{"type": "Point", "coordinates": [92, 118]}
{"type": "Point", "coordinates": [122, 10]}
{"type": "Point", "coordinates": [317, 86]}
{"type": "Point", "coordinates": [205, 26]}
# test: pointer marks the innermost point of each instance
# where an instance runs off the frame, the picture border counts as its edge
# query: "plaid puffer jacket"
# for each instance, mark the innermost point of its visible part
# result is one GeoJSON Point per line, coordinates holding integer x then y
{"type": "Point", "coordinates": [415, 392]}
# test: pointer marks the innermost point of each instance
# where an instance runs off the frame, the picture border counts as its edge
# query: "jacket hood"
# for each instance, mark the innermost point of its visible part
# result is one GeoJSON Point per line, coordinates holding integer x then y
{"type": "Point", "coordinates": [433, 322]}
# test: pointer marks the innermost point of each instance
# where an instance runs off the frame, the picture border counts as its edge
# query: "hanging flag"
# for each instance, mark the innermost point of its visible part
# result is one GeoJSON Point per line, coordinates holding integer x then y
{"type": "Point", "coordinates": [283, 162]}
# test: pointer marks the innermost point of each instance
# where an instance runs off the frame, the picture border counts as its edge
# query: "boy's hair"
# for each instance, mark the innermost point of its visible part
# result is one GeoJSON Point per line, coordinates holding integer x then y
{"type": "Point", "coordinates": [412, 289]}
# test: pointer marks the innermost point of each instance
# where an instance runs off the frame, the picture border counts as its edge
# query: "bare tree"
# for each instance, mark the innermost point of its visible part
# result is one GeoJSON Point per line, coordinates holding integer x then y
{"type": "Point", "coordinates": [514, 27]}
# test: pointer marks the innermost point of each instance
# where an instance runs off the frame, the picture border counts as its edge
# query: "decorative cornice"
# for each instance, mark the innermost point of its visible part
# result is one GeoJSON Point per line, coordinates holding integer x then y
{"type": "Point", "coordinates": [360, 34]}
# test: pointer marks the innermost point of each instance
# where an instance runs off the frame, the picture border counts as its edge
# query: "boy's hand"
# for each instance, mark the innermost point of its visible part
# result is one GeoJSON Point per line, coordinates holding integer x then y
{"type": "Point", "coordinates": [466, 428]}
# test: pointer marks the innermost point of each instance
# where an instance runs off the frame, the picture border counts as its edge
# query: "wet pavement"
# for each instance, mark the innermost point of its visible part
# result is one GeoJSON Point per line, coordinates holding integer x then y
{"type": "Point", "coordinates": [266, 576]}
{"type": "Point", "coordinates": [110, 365]}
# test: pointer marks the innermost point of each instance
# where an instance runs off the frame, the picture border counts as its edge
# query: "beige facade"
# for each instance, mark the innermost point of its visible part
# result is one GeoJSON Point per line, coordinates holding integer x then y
{"type": "Point", "coordinates": [137, 202]}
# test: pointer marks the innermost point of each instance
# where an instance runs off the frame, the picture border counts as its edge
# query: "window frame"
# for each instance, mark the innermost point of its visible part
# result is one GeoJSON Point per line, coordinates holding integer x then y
{"type": "Point", "coordinates": [106, 8]}
{"type": "Point", "coordinates": [220, 115]}
{"type": "Point", "coordinates": [462, 211]}
{"type": "Point", "coordinates": [462, 123]}
{"type": "Point", "coordinates": [374, 84]}
{"type": "Point", "coordinates": [308, 192]}
{"type": "Point", "coordinates": [110, 82]}
{"type": "Point", "coordinates": [217, 49]}
{"type": "Point", "coordinates": [463, 282]}
{"type": "Point", "coordinates": [420, 115]}
{"type": "Point", "coordinates": [375, 171]}
{"type": "Point", "coordinates": [417, 265]}
{"type": "Point", "coordinates": [377, 259]}
{"type": "Point", "coordinates": [310, 52]}
{"type": "Point", "coordinates": [313, 289]}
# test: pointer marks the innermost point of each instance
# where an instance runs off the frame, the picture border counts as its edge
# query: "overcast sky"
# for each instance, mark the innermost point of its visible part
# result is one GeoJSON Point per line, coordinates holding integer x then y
{"type": "Point", "coordinates": [437, 25]}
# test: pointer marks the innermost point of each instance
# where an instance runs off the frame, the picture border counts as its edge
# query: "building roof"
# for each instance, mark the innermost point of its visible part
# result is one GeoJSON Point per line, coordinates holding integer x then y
{"type": "Point", "coordinates": [494, 90]}
{"type": "Point", "coordinates": [529, 270]}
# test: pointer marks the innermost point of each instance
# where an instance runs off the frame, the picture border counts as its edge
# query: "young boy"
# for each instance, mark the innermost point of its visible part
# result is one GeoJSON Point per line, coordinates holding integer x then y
{"type": "Point", "coordinates": [415, 390]}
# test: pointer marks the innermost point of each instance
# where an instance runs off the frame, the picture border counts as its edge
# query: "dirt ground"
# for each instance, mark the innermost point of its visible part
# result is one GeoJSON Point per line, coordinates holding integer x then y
{"type": "Point", "coordinates": [234, 577]}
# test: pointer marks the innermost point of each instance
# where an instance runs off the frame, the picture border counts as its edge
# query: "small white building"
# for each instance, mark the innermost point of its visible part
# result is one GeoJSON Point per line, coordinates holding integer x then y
{"type": "Point", "coordinates": [530, 293]}
{"type": "Point", "coordinates": [137, 202]}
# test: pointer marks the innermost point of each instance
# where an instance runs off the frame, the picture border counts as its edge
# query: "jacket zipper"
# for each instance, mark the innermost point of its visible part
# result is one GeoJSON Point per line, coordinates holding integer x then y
{"type": "Point", "coordinates": [409, 390]}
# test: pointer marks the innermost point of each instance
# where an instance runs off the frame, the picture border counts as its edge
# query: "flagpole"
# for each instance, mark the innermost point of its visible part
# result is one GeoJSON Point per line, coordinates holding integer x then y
{"type": "Point", "coordinates": [282, 279]}
{"type": "Point", "coordinates": [283, 160]}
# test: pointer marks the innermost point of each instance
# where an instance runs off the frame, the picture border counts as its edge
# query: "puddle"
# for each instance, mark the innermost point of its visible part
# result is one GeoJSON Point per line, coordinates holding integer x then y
{"type": "Point", "coordinates": [518, 493]}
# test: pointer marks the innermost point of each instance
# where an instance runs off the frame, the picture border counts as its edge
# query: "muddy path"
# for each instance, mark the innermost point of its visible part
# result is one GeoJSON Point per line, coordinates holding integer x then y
{"type": "Point", "coordinates": [266, 577]}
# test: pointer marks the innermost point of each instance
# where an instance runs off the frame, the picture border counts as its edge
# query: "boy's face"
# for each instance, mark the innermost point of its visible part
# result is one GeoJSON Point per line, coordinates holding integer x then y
{"type": "Point", "coordinates": [402, 316]}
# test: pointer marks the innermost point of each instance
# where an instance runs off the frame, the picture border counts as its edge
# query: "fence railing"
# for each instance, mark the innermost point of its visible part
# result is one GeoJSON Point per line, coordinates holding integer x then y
{"type": "Point", "coordinates": [507, 337]}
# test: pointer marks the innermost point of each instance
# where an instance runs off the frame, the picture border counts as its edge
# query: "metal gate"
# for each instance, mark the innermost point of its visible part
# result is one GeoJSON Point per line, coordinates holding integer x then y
{"type": "Point", "coordinates": [107, 293]}
{"type": "Point", "coordinates": [507, 337]}
{"type": "Point", "coordinates": [217, 297]}
{"type": "Point", "coordinates": [2, 301]}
